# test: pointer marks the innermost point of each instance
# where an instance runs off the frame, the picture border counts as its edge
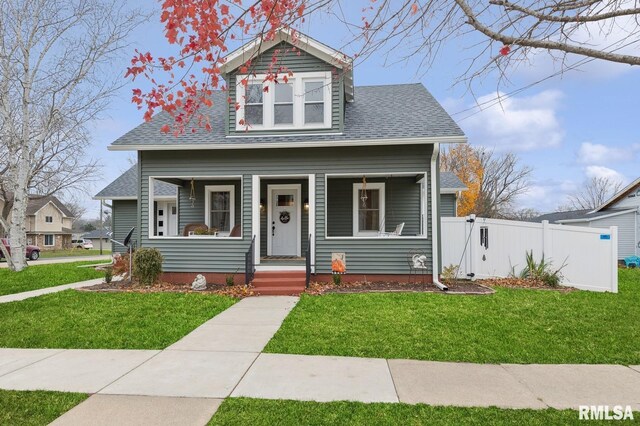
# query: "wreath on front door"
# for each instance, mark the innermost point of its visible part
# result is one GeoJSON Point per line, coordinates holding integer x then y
{"type": "Point", "coordinates": [285, 216]}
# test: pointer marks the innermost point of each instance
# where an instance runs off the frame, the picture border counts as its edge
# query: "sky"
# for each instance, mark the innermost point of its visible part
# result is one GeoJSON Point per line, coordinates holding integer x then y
{"type": "Point", "coordinates": [569, 128]}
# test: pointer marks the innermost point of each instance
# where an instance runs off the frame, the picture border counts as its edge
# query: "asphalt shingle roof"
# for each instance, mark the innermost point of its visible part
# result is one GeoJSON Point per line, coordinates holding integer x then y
{"type": "Point", "coordinates": [378, 112]}
{"type": "Point", "coordinates": [36, 202]}
{"type": "Point", "coordinates": [126, 185]}
{"type": "Point", "coordinates": [575, 214]}
{"type": "Point", "coordinates": [449, 180]}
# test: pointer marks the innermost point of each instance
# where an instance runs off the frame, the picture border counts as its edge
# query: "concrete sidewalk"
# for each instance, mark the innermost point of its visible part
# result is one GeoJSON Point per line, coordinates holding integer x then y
{"type": "Point", "coordinates": [68, 259]}
{"type": "Point", "coordinates": [39, 292]}
{"type": "Point", "coordinates": [223, 358]}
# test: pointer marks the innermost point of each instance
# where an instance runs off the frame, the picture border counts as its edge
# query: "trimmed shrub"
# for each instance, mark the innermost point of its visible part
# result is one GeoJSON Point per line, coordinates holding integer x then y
{"type": "Point", "coordinates": [147, 265]}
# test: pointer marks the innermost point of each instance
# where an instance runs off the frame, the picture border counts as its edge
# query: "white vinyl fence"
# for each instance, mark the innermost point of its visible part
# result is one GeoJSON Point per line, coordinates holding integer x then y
{"type": "Point", "coordinates": [492, 248]}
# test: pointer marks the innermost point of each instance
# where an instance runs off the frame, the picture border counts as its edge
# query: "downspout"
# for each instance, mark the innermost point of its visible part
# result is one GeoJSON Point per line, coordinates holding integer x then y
{"type": "Point", "coordinates": [435, 220]}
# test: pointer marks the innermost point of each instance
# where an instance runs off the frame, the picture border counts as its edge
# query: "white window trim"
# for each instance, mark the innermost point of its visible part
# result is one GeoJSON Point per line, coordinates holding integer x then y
{"type": "Point", "coordinates": [53, 240]}
{"type": "Point", "coordinates": [357, 187]}
{"type": "Point", "coordinates": [231, 189]}
{"type": "Point", "coordinates": [268, 101]}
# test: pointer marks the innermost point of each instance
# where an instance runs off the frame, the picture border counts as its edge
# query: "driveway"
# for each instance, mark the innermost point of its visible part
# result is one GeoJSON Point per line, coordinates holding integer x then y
{"type": "Point", "coordinates": [70, 259]}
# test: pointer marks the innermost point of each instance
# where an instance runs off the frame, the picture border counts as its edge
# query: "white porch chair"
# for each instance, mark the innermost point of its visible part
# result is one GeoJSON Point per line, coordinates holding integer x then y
{"type": "Point", "coordinates": [396, 233]}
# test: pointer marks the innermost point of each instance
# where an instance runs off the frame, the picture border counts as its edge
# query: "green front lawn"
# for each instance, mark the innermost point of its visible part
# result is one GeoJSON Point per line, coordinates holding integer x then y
{"type": "Point", "coordinates": [244, 411]}
{"type": "Point", "coordinates": [86, 320]}
{"type": "Point", "coordinates": [35, 408]}
{"type": "Point", "coordinates": [42, 276]}
{"type": "Point", "coordinates": [47, 254]}
{"type": "Point", "coordinates": [511, 326]}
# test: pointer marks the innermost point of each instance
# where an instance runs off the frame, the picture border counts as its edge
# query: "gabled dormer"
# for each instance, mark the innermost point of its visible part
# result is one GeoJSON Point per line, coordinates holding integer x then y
{"type": "Point", "coordinates": [313, 83]}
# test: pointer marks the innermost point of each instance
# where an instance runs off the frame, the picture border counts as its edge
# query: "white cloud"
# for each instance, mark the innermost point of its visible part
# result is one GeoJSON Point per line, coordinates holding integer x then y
{"type": "Point", "coordinates": [594, 153]}
{"type": "Point", "coordinates": [516, 123]}
{"type": "Point", "coordinates": [604, 172]}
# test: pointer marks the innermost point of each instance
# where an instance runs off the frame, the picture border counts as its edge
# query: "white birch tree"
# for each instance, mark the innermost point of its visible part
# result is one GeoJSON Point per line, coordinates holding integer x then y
{"type": "Point", "coordinates": [55, 78]}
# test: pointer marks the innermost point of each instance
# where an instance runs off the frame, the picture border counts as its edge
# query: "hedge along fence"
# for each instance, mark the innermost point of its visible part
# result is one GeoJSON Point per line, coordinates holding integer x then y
{"type": "Point", "coordinates": [493, 248]}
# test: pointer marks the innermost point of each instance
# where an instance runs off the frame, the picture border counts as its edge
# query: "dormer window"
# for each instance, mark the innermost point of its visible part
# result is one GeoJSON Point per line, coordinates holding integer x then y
{"type": "Point", "coordinates": [302, 102]}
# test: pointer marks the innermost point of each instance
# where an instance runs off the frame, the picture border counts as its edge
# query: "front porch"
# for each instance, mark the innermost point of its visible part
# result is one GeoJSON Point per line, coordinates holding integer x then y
{"type": "Point", "coordinates": [374, 214]}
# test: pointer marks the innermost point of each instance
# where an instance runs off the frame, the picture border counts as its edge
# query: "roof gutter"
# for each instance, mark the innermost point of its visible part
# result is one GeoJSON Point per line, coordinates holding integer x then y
{"type": "Point", "coordinates": [312, 144]}
{"type": "Point", "coordinates": [435, 220]}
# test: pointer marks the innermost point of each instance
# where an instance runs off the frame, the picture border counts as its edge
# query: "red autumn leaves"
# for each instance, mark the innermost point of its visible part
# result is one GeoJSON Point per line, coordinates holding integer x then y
{"type": "Point", "coordinates": [182, 85]}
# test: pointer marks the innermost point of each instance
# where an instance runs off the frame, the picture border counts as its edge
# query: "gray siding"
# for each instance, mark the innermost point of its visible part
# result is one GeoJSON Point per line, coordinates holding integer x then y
{"type": "Point", "coordinates": [295, 61]}
{"type": "Point", "coordinates": [448, 205]}
{"type": "Point", "coordinates": [124, 216]}
{"type": "Point", "coordinates": [224, 255]}
{"type": "Point", "coordinates": [626, 224]}
{"type": "Point", "coordinates": [304, 225]}
{"type": "Point", "coordinates": [402, 204]}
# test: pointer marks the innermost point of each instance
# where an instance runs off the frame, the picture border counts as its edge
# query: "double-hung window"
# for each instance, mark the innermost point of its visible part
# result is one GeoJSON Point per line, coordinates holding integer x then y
{"type": "Point", "coordinates": [303, 101]}
{"type": "Point", "coordinates": [48, 219]}
{"type": "Point", "coordinates": [283, 104]}
{"type": "Point", "coordinates": [368, 209]}
{"type": "Point", "coordinates": [254, 105]}
{"type": "Point", "coordinates": [49, 240]}
{"type": "Point", "coordinates": [313, 102]}
{"type": "Point", "coordinates": [220, 208]}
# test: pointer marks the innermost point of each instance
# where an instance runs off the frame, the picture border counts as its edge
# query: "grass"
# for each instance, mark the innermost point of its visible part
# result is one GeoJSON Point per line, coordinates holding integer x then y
{"type": "Point", "coordinates": [47, 254]}
{"type": "Point", "coordinates": [35, 407]}
{"type": "Point", "coordinates": [511, 326]}
{"type": "Point", "coordinates": [245, 411]}
{"type": "Point", "coordinates": [42, 276]}
{"type": "Point", "coordinates": [87, 320]}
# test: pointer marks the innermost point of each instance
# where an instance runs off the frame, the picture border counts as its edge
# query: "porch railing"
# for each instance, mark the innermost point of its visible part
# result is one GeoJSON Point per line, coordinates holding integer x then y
{"type": "Point", "coordinates": [307, 259]}
{"type": "Point", "coordinates": [249, 259]}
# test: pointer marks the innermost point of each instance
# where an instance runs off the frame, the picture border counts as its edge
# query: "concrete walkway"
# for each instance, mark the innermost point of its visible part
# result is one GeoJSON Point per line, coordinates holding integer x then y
{"type": "Point", "coordinates": [68, 259]}
{"type": "Point", "coordinates": [223, 358]}
{"type": "Point", "coordinates": [34, 293]}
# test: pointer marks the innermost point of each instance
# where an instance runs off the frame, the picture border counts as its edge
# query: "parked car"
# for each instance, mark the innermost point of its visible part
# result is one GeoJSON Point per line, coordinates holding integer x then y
{"type": "Point", "coordinates": [32, 252]}
{"type": "Point", "coordinates": [82, 243]}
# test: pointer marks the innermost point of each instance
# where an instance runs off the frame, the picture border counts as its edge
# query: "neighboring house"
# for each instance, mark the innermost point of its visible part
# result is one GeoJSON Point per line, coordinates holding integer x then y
{"type": "Point", "coordinates": [49, 223]}
{"type": "Point", "coordinates": [123, 191]}
{"type": "Point", "coordinates": [324, 168]}
{"type": "Point", "coordinates": [622, 210]}
{"type": "Point", "coordinates": [97, 236]}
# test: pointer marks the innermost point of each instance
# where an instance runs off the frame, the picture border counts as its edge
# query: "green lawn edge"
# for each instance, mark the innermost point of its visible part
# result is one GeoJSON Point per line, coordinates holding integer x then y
{"type": "Point", "coordinates": [255, 412]}
{"type": "Point", "coordinates": [75, 319]}
{"type": "Point", "coordinates": [44, 276]}
{"type": "Point", "coordinates": [512, 326]}
{"type": "Point", "coordinates": [35, 408]}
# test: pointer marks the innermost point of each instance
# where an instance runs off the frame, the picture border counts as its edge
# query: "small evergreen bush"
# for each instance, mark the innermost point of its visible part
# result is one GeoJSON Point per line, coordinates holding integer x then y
{"type": "Point", "coordinates": [147, 265]}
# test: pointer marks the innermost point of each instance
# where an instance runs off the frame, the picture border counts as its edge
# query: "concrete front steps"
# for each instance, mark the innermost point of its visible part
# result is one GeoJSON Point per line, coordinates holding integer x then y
{"type": "Point", "coordinates": [279, 283]}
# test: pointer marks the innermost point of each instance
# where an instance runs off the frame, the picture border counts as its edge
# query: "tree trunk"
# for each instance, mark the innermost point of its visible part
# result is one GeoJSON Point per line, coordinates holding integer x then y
{"type": "Point", "coordinates": [17, 228]}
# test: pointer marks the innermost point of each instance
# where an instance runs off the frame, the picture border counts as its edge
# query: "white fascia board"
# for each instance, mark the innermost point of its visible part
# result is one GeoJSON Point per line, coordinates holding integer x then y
{"type": "Point", "coordinates": [239, 56]}
{"type": "Point", "coordinates": [617, 195]}
{"type": "Point", "coordinates": [116, 198]}
{"type": "Point", "coordinates": [312, 144]}
{"type": "Point", "coordinates": [591, 219]}
{"type": "Point", "coordinates": [452, 190]}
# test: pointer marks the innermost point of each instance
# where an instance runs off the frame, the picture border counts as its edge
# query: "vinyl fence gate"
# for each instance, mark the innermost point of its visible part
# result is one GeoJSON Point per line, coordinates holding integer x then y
{"type": "Point", "coordinates": [493, 248]}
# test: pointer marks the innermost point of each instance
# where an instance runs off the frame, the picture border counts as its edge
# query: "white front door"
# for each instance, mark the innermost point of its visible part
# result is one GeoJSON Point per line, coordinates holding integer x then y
{"type": "Point", "coordinates": [283, 225]}
{"type": "Point", "coordinates": [172, 217]}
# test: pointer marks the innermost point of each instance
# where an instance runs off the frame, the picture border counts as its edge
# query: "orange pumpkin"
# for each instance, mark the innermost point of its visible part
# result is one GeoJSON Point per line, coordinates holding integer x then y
{"type": "Point", "coordinates": [338, 266]}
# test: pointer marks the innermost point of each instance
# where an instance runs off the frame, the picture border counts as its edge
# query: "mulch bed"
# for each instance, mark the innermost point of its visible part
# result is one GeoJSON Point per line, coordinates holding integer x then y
{"type": "Point", "coordinates": [460, 287]}
{"type": "Point", "coordinates": [238, 291]}
{"type": "Point", "coordinates": [522, 283]}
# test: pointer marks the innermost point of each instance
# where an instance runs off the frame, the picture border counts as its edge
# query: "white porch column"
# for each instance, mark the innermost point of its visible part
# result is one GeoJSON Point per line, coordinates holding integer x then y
{"type": "Point", "coordinates": [255, 215]}
{"type": "Point", "coordinates": [312, 219]}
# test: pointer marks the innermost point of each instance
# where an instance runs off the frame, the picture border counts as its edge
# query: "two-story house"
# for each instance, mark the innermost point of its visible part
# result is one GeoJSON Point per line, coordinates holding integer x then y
{"type": "Point", "coordinates": [48, 223]}
{"type": "Point", "coordinates": [301, 173]}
